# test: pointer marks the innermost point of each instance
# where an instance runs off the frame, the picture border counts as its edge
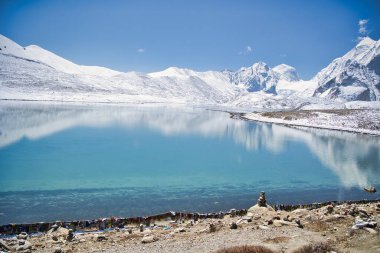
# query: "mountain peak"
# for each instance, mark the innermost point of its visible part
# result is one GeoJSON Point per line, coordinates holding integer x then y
{"type": "Point", "coordinates": [8, 46]}
{"type": "Point", "coordinates": [260, 64]}
{"type": "Point", "coordinates": [366, 41]}
{"type": "Point", "coordinates": [283, 66]}
{"type": "Point", "coordinates": [173, 72]}
{"type": "Point", "coordinates": [286, 72]}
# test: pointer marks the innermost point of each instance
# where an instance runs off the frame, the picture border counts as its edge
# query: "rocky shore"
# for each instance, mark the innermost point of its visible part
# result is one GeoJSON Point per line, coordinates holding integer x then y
{"type": "Point", "coordinates": [346, 227]}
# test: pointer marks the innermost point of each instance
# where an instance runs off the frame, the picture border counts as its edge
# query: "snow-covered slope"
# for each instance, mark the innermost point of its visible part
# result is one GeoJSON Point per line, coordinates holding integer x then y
{"type": "Point", "coordinates": [30, 80]}
{"type": "Point", "coordinates": [36, 53]}
{"type": "Point", "coordinates": [354, 76]}
{"type": "Point", "coordinates": [33, 73]}
{"type": "Point", "coordinates": [286, 72]}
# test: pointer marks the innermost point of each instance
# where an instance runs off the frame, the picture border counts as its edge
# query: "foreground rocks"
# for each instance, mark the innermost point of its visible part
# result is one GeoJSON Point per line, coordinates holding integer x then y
{"type": "Point", "coordinates": [343, 228]}
{"type": "Point", "coordinates": [20, 244]}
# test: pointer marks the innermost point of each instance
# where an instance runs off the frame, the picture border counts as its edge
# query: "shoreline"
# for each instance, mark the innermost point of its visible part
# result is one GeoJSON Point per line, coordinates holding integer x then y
{"type": "Point", "coordinates": [36, 227]}
{"type": "Point", "coordinates": [339, 227]}
{"type": "Point", "coordinates": [305, 122]}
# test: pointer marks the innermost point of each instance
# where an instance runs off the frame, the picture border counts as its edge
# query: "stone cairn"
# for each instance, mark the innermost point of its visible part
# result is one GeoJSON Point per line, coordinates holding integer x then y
{"type": "Point", "coordinates": [262, 201]}
{"type": "Point", "coordinates": [233, 225]}
{"type": "Point", "coordinates": [70, 235]}
{"type": "Point", "coordinates": [212, 228]}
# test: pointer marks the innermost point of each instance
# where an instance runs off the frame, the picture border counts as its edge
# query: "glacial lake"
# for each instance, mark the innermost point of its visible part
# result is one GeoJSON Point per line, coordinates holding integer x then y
{"type": "Point", "coordinates": [73, 161]}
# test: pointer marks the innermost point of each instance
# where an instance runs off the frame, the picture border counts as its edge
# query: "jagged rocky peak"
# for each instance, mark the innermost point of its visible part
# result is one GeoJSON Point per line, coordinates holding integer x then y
{"type": "Point", "coordinates": [256, 78]}
{"type": "Point", "coordinates": [260, 77]}
{"type": "Point", "coordinates": [354, 76]}
{"type": "Point", "coordinates": [286, 72]}
{"type": "Point", "coordinates": [258, 67]}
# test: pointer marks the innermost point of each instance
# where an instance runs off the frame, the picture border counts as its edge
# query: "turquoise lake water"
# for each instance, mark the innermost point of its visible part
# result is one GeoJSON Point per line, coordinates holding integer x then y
{"type": "Point", "coordinates": [65, 162]}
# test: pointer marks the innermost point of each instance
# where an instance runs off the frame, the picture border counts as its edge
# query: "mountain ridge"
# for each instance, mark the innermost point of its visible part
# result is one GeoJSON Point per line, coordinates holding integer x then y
{"type": "Point", "coordinates": [354, 76]}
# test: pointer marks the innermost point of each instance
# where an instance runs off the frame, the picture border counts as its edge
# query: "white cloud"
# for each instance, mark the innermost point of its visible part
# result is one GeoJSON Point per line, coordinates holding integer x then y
{"type": "Point", "coordinates": [363, 26]}
{"type": "Point", "coordinates": [247, 50]}
{"type": "Point", "coordinates": [363, 22]}
{"type": "Point", "coordinates": [141, 50]}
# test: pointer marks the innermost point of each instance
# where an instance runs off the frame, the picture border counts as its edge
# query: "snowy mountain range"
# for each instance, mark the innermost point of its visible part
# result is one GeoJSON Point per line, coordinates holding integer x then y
{"type": "Point", "coordinates": [33, 73]}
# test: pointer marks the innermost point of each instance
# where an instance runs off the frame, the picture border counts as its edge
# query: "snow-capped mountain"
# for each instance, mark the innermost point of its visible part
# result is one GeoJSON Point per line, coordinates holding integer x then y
{"type": "Point", "coordinates": [37, 74]}
{"type": "Point", "coordinates": [38, 54]}
{"type": "Point", "coordinates": [216, 79]}
{"type": "Point", "coordinates": [34, 73]}
{"type": "Point", "coordinates": [255, 78]}
{"type": "Point", "coordinates": [354, 76]}
{"type": "Point", "coordinates": [286, 72]}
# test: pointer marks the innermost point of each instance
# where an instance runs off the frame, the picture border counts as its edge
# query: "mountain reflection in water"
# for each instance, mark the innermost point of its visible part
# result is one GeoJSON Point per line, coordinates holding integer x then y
{"type": "Point", "coordinates": [354, 158]}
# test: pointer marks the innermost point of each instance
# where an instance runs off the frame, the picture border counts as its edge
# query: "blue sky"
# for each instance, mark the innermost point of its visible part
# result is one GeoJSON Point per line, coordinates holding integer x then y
{"type": "Point", "coordinates": [152, 35]}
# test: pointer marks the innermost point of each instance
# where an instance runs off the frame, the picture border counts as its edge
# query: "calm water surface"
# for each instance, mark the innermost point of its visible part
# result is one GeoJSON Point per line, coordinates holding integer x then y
{"type": "Point", "coordinates": [63, 162]}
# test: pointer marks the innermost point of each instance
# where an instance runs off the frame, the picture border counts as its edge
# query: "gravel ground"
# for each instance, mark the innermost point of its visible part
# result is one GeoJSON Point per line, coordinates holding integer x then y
{"type": "Point", "coordinates": [279, 231]}
{"type": "Point", "coordinates": [289, 238]}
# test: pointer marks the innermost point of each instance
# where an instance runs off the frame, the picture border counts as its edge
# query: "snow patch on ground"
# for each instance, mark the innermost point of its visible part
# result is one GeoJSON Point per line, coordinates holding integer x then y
{"type": "Point", "coordinates": [359, 121]}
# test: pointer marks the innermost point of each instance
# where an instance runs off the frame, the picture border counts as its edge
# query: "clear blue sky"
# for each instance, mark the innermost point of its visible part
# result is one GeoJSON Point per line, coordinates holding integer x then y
{"type": "Point", "coordinates": [199, 34]}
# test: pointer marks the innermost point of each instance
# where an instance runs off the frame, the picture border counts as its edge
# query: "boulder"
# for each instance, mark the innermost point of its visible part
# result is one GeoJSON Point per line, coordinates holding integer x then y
{"type": "Point", "coordinates": [371, 230]}
{"type": "Point", "coordinates": [353, 211]}
{"type": "Point", "coordinates": [361, 224]}
{"type": "Point", "coordinates": [101, 237]}
{"type": "Point", "coordinates": [301, 212]}
{"type": "Point", "coordinates": [58, 232]}
{"type": "Point", "coordinates": [3, 245]}
{"type": "Point", "coordinates": [330, 208]}
{"type": "Point", "coordinates": [280, 223]}
{"type": "Point", "coordinates": [57, 250]}
{"type": "Point", "coordinates": [147, 232]}
{"type": "Point", "coordinates": [259, 209]}
{"type": "Point", "coordinates": [212, 228]}
{"type": "Point", "coordinates": [363, 214]}
{"type": "Point", "coordinates": [277, 223]}
{"type": "Point", "coordinates": [148, 239]}
{"type": "Point", "coordinates": [244, 219]}
{"type": "Point", "coordinates": [334, 217]}
{"type": "Point", "coordinates": [180, 230]}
